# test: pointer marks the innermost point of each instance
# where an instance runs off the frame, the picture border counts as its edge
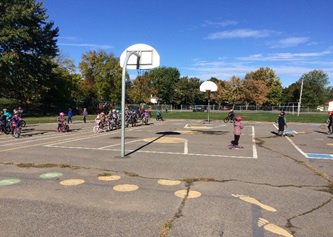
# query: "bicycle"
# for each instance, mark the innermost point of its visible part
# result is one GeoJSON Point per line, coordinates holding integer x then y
{"type": "Point", "coordinates": [228, 118]}
{"type": "Point", "coordinates": [16, 130]}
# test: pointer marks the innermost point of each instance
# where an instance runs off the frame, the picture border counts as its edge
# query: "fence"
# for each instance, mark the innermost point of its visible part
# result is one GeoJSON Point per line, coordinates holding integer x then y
{"type": "Point", "coordinates": [252, 108]}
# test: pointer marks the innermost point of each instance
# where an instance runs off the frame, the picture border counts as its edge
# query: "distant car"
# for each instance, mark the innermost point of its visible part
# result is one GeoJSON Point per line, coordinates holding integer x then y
{"type": "Point", "coordinates": [199, 109]}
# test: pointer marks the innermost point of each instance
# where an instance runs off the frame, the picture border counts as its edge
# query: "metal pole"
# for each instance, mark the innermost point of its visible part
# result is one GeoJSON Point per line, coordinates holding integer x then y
{"type": "Point", "coordinates": [300, 99]}
{"type": "Point", "coordinates": [208, 108]}
{"type": "Point", "coordinates": [123, 87]}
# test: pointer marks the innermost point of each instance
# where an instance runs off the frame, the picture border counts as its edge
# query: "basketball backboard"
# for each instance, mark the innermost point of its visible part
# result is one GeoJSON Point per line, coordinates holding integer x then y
{"type": "Point", "coordinates": [143, 57]}
{"type": "Point", "coordinates": [208, 86]}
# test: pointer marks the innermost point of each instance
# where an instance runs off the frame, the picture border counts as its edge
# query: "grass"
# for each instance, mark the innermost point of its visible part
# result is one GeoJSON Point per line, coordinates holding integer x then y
{"type": "Point", "coordinates": [247, 116]}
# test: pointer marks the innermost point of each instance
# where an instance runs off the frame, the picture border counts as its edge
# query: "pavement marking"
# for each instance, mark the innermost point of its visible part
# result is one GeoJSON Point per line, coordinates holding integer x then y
{"type": "Point", "coordinates": [197, 126]}
{"type": "Point", "coordinates": [125, 188]}
{"type": "Point", "coordinates": [273, 228]}
{"type": "Point", "coordinates": [308, 155]}
{"type": "Point", "coordinates": [118, 144]}
{"type": "Point", "coordinates": [168, 182]}
{"type": "Point", "coordinates": [6, 182]}
{"type": "Point", "coordinates": [254, 201]}
{"type": "Point", "coordinates": [191, 194]}
{"type": "Point", "coordinates": [72, 182]}
{"type": "Point", "coordinates": [109, 178]}
{"type": "Point", "coordinates": [254, 147]}
{"type": "Point", "coordinates": [51, 175]}
{"type": "Point", "coordinates": [164, 139]}
{"type": "Point", "coordinates": [319, 156]}
{"type": "Point", "coordinates": [155, 152]}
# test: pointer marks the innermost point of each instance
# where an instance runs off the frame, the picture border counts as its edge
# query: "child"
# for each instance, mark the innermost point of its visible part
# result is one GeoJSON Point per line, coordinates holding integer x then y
{"type": "Point", "coordinates": [238, 126]}
{"type": "Point", "coordinates": [282, 123]}
{"type": "Point", "coordinates": [61, 121]}
{"type": "Point", "coordinates": [70, 116]}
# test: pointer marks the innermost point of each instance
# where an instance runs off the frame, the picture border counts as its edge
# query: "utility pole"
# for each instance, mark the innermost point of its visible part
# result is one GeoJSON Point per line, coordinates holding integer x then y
{"type": "Point", "coordinates": [300, 99]}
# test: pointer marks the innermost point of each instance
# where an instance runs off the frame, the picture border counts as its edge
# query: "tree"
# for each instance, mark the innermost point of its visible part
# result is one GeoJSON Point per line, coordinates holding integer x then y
{"type": "Point", "coordinates": [141, 89]}
{"type": "Point", "coordinates": [315, 91]}
{"type": "Point", "coordinates": [273, 83]}
{"type": "Point", "coordinates": [221, 95]}
{"type": "Point", "coordinates": [102, 74]}
{"type": "Point", "coordinates": [256, 91]}
{"type": "Point", "coordinates": [164, 80]}
{"type": "Point", "coordinates": [235, 90]}
{"type": "Point", "coordinates": [27, 48]}
{"type": "Point", "coordinates": [187, 91]}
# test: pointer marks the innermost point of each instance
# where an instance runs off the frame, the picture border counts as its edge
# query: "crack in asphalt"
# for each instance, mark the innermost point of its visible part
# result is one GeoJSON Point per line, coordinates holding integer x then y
{"type": "Point", "coordinates": [293, 228]}
{"type": "Point", "coordinates": [167, 227]}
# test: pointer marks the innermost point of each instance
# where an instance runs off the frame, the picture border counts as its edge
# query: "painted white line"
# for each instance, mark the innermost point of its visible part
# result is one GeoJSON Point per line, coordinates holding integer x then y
{"type": "Point", "coordinates": [254, 148]}
{"type": "Point", "coordinates": [185, 147]}
{"type": "Point", "coordinates": [293, 144]}
{"type": "Point", "coordinates": [155, 152]}
{"type": "Point", "coordinates": [297, 148]}
{"type": "Point", "coordinates": [118, 144]}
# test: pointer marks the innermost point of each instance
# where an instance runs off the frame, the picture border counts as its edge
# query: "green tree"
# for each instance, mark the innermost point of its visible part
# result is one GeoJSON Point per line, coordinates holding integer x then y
{"type": "Point", "coordinates": [187, 91]}
{"type": "Point", "coordinates": [103, 74]}
{"type": "Point", "coordinates": [27, 48]}
{"type": "Point", "coordinates": [315, 90]}
{"type": "Point", "coordinates": [164, 80]}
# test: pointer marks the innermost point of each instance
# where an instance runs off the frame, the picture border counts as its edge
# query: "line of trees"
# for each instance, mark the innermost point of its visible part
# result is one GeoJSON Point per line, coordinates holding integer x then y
{"type": "Point", "coordinates": [35, 76]}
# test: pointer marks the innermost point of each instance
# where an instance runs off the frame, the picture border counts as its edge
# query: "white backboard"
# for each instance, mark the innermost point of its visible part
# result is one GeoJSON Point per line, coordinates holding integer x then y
{"type": "Point", "coordinates": [208, 86]}
{"type": "Point", "coordinates": [149, 57]}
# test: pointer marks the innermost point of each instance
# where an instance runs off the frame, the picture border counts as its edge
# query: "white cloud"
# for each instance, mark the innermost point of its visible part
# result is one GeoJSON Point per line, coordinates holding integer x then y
{"type": "Point", "coordinates": [290, 42]}
{"type": "Point", "coordinates": [219, 23]}
{"type": "Point", "coordinates": [285, 56]}
{"type": "Point", "coordinates": [102, 46]}
{"type": "Point", "coordinates": [240, 33]}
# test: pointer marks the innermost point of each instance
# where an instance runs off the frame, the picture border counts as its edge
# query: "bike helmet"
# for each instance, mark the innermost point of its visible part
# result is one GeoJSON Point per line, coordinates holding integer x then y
{"type": "Point", "coordinates": [102, 113]}
{"type": "Point", "coordinates": [61, 114]}
{"type": "Point", "coordinates": [238, 118]}
{"type": "Point", "coordinates": [282, 113]}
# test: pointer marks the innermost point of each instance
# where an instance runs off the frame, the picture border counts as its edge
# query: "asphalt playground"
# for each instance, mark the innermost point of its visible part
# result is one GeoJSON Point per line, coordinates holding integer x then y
{"type": "Point", "coordinates": [178, 178]}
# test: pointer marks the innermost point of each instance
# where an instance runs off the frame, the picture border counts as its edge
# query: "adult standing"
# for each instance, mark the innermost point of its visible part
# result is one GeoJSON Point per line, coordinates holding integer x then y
{"type": "Point", "coordinates": [330, 124]}
{"type": "Point", "coordinates": [85, 114]}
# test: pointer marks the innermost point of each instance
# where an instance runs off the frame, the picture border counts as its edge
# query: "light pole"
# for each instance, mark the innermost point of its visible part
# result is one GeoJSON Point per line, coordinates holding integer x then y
{"type": "Point", "coordinates": [300, 99]}
{"type": "Point", "coordinates": [208, 86]}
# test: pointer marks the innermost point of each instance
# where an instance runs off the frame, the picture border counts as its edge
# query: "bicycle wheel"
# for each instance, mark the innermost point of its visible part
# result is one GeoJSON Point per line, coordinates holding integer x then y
{"type": "Point", "coordinates": [17, 132]}
{"type": "Point", "coordinates": [23, 123]}
{"type": "Point", "coordinates": [226, 120]}
{"type": "Point", "coordinates": [96, 129]}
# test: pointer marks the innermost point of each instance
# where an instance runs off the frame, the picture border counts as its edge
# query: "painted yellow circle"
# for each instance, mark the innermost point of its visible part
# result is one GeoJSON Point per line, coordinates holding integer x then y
{"type": "Point", "coordinates": [168, 182]}
{"type": "Point", "coordinates": [186, 132]}
{"type": "Point", "coordinates": [191, 194]}
{"type": "Point", "coordinates": [125, 188]}
{"type": "Point", "coordinates": [72, 182]}
{"type": "Point", "coordinates": [109, 178]}
{"type": "Point", "coordinates": [165, 140]}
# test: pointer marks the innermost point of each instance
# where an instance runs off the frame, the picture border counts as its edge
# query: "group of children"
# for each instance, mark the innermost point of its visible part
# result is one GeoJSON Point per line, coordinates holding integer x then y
{"type": "Point", "coordinates": [238, 126]}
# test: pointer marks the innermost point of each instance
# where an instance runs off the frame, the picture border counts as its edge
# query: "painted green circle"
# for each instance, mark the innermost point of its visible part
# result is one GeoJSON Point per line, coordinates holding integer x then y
{"type": "Point", "coordinates": [6, 182]}
{"type": "Point", "coordinates": [51, 175]}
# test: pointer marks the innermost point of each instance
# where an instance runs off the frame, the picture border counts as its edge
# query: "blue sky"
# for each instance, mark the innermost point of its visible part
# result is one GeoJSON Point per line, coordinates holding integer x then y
{"type": "Point", "coordinates": [204, 38]}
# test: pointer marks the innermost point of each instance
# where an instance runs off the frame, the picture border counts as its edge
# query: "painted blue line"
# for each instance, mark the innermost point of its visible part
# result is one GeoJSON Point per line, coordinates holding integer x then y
{"type": "Point", "coordinates": [319, 156]}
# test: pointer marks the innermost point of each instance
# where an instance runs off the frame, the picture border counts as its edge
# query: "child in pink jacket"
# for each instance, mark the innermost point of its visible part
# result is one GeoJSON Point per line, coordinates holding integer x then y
{"type": "Point", "coordinates": [238, 126]}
